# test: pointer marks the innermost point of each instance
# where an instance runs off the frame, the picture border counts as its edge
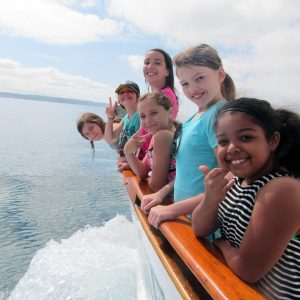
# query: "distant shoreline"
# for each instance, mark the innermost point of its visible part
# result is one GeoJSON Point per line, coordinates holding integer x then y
{"type": "Point", "coordinates": [49, 99]}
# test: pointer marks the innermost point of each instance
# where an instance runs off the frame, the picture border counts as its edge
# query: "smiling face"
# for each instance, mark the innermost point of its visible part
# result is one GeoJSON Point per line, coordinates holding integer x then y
{"type": "Point", "coordinates": [153, 116]}
{"type": "Point", "coordinates": [92, 131]}
{"type": "Point", "coordinates": [127, 97]}
{"type": "Point", "coordinates": [155, 70]}
{"type": "Point", "coordinates": [243, 147]}
{"type": "Point", "coordinates": [202, 85]}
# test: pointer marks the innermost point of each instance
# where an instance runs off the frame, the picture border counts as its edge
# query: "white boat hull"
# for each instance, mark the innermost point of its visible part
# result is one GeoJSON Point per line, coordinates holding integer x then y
{"type": "Point", "coordinates": [157, 282]}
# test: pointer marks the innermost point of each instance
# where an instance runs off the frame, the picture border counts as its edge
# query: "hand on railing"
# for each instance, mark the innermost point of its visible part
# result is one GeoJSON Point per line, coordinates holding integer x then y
{"type": "Point", "coordinates": [159, 214]}
{"type": "Point", "coordinates": [149, 201]}
{"type": "Point", "coordinates": [122, 165]}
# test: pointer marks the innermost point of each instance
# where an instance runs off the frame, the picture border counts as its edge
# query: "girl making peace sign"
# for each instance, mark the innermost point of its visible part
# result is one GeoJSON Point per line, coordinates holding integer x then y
{"type": "Point", "coordinates": [128, 94]}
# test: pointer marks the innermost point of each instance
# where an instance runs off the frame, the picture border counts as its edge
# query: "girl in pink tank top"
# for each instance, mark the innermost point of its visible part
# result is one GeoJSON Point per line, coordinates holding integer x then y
{"type": "Point", "coordinates": [158, 73]}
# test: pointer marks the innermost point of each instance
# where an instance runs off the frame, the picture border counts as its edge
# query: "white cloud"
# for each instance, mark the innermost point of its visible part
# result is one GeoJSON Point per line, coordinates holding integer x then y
{"type": "Point", "coordinates": [228, 23]}
{"type": "Point", "coordinates": [17, 78]}
{"type": "Point", "coordinates": [88, 3]}
{"type": "Point", "coordinates": [80, 3]}
{"type": "Point", "coordinates": [54, 22]}
{"type": "Point", "coordinates": [136, 62]}
{"type": "Point", "coordinates": [271, 69]}
{"type": "Point", "coordinates": [258, 41]}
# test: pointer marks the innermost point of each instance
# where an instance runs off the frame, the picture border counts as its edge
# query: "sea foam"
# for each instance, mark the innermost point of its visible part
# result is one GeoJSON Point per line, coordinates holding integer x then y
{"type": "Point", "coordinates": [94, 263]}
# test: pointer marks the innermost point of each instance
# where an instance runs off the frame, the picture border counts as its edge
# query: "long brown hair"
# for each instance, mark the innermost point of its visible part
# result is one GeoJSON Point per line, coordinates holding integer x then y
{"type": "Point", "coordinates": [90, 118]}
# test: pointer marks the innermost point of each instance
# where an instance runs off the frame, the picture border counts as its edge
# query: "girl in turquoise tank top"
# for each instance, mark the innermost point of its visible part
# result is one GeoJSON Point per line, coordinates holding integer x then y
{"type": "Point", "coordinates": [205, 83]}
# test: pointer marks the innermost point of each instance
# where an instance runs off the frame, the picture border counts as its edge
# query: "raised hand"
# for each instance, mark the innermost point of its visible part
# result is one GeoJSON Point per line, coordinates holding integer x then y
{"type": "Point", "coordinates": [134, 143]}
{"type": "Point", "coordinates": [216, 183]}
{"type": "Point", "coordinates": [110, 109]}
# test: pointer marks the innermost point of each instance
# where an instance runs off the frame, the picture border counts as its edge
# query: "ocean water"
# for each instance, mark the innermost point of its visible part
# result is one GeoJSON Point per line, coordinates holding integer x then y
{"type": "Point", "coordinates": [65, 224]}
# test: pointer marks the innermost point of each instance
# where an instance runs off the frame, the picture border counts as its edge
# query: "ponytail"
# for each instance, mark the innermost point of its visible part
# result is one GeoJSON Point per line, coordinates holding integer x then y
{"type": "Point", "coordinates": [228, 88]}
{"type": "Point", "coordinates": [287, 153]}
{"type": "Point", "coordinates": [93, 149]}
{"type": "Point", "coordinates": [206, 56]}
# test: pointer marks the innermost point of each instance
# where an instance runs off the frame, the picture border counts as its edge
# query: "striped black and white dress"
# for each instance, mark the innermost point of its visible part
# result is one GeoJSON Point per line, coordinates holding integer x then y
{"type": "Point", "coordinates": [283, 280]}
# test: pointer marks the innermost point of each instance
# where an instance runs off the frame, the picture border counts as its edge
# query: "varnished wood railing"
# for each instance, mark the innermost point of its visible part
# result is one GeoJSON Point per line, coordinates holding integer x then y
{"type": "Point", "coordinates": [202, 259]}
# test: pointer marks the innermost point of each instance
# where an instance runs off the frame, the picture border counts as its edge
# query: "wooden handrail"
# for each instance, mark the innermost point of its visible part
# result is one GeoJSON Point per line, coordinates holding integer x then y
{"type": "Point", "coordinates": [201, 257]}
{"type": "Point", "coordinates": [185, 282]}
{"type": "Point", "coordinates": [206, 262]}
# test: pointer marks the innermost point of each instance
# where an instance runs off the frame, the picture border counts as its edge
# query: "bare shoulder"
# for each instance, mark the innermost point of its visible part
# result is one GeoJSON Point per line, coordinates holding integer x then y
{"type": "Point", "coordinates": [282, 192]}
{"type": "Point", "coordinates": [284, 184]}
{"type": "Point", "coordinates": [163, 136]}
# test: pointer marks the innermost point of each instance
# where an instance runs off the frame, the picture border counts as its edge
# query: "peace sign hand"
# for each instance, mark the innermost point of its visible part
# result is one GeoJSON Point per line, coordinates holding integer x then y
{"type": "Point", "coordinates": [134, 143]}
{"type": "Point", "coordinates": [110, 109]}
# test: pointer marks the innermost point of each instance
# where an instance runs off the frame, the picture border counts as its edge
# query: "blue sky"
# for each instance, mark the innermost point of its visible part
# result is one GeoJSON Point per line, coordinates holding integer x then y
{"type": "Point", "coordinates": [84, 48]}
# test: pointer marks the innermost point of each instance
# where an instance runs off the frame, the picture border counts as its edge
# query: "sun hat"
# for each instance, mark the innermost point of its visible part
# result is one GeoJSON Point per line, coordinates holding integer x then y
{"type": "Point", "coordinates": [129, 84]}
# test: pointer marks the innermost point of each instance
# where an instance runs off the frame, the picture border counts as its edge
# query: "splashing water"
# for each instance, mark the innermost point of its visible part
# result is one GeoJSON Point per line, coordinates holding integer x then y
{"type": "Point", "coordinates": [94, 263]}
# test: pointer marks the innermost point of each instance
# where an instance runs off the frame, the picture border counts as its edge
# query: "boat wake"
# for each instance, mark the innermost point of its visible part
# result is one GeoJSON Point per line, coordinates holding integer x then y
{"type": "Point", "coordinates": [94, 263]}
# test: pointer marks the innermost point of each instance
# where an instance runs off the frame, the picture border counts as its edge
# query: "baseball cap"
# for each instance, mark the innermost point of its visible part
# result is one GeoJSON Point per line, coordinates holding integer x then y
{"type": "Point", "coordinates": [129, 84]}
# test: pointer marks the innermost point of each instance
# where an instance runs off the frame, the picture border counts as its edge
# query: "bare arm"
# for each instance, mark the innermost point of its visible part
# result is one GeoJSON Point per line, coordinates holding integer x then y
{"type": "Point", "coordinates": [162, 141]}
{"type": "Point", "coordinates": [140, 168]}
{"type": "Point", "coordinates": [162, 213]}
{"type": "Point", "coordinates": [122, 164]}
{"type": "Point", "coordinates": [274, 220]}
{"type": "Point", "coordinates": [205, 215]}
{"type": "Point", "coordinates": [112, 131]}
{"type": "Point", "coordinates": [151, 200]}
